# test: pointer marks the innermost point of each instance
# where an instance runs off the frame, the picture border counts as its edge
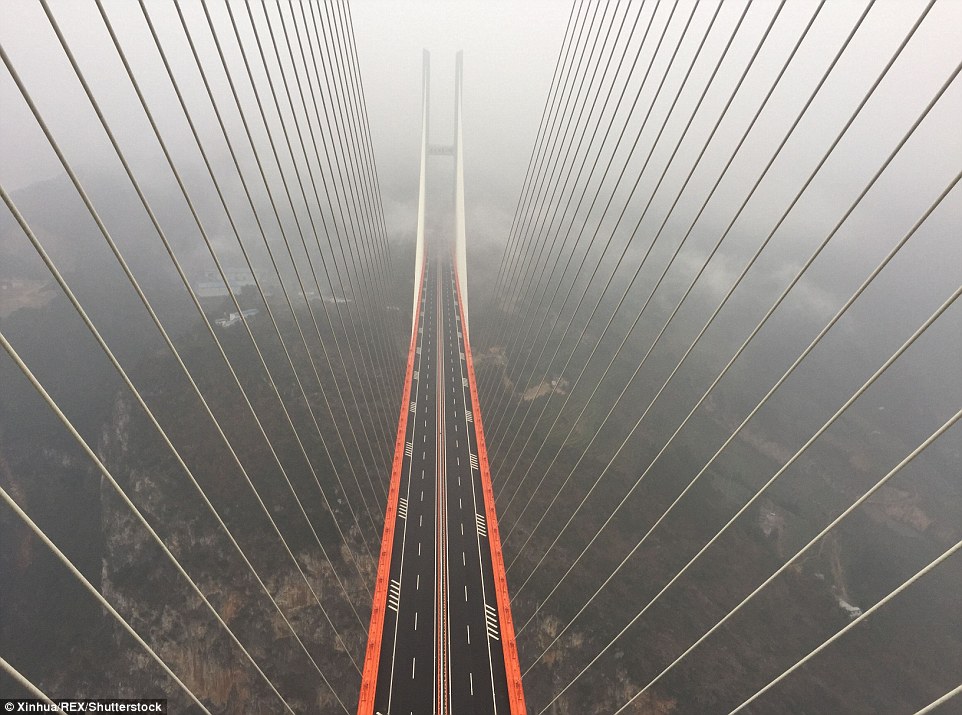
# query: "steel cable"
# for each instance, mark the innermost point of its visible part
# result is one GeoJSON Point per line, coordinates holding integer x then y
{"type": "Point", "coordinates": [546, 113]}
{"type": "Point", "coordinates": [824, 331]}
{"type": "Point", "coordinates": [848, 402]}
{"type": "Point", "coordinates": [51, 403]}
{"type": "Point", "coordinates": [142, 296]}
{"type": "Point", "coordinates": [791, 206]}
{"type": "Point", "coordinates": [522, 252]}
{"type": "Point", "coordinates": [625, 250]}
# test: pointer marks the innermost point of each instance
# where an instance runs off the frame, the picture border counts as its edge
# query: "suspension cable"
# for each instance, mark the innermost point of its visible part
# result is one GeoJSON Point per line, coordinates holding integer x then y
{"type": "Point", "coordinates": [621, 175]}
{"type": "Point", "coordinates": [276, 268]}
{"type": "Point", "coordinates": [297, 274]}
{"type": "Point", "coordinates": [236, 231]}
{"type": "Point", "coordinates": [359, 103]}
{"type": "Point", "coordinates": [628, 243]}
{"type": "Point", "coordinates": [865, 283]}
{"type": "Point", "coordinates": [523, 248]}
{"type": "Point", "coordinates": [382, 444]}
{"type": "Point", "coordinates": [162, 433]}
{"type": "Point", "coordinates": [346, 122]}
{"type": "Point", "coordinates": [555, 249]}
{"type": "Point", "coordinates": [554, 91]}
{"type": "Point", "coordinates": [866, 614]}
{"type": "Point", "coordinates": [363, 133]}
{"type": "Point", "coordinates": [671, 209]}
{"type": "Point", "coordinates": [256, 155]}
{"type": "Point", "coordinates": [361, 99]}
{"type": "Point", "coordinates": [350, 275]}
{"type": "Point", "coordinates": [529, 234]}
{"type": "Point", "coordinates": [345, 90]}
{"type": "Point", "coordinates": [642, 86]}
{"type": "Point", "coordinates": [204, 235]}
{"type": "Point", "coordinates": [143, 298]}
{"type": "Point", "coordinates": [21, 678]}
{"type": "Point", "coordinates": [781, 220]}
{"type": "Point", "coordinates": [604, 140]}
{"type": "Point", "coordinates": [938, 702]}
{"type": "Point", "coordinates": [798, 275]}
{"type": "Point", "coordinates": [340, 45]}
{"type": "Point", "coordinates": [885, 261]}
{"type": "Point", "coordinates": [509, 420]}
{"type": "Point", "coordinates": [349, 200]}
{"type": "Point", "coordinates": [366, 356]}
{"type": "Point", "coordinates": [758, 493]}
{"type": "Point", "coordinates": [849, 626]}
{"type": "Point", "coordinates": [55, 408]}
{"type": "Point", "coordinates": [531, 287]}
{"type": "Point", "coordinates": [360, 254]}
{"type": "Point", "coordinates": [333, 44]}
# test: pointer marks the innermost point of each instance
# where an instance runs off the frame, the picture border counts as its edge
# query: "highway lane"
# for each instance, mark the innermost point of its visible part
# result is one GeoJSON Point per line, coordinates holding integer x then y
{"type": "Point", "coordinates": [440, 648]}
{"type": "Point", "coordinates": [409, 629]}
{"type": "Point", "coordinates": [477, 665]}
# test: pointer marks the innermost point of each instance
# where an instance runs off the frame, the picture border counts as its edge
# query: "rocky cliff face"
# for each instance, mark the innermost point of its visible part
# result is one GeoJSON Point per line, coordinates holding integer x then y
{"type": "Point", "coordinates": [144, 585]}
{"type": "Point", "coordinates": [56, 632]}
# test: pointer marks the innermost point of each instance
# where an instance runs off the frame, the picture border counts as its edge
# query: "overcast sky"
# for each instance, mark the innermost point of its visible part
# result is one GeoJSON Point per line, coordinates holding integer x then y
{"type": "Point", "coordinates": [645, 223]}
{"type": "Point", "coordinates": [510, 52]}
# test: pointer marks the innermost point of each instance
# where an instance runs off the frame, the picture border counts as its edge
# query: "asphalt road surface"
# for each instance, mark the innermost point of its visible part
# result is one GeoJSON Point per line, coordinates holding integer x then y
{"type": "Point", "coordinates": [441, 648]}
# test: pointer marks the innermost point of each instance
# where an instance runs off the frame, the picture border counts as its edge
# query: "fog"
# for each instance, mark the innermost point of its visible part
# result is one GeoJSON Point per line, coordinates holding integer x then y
{"type": "Point", "coordinates": [510, 52]}
{"type": "Point", "coordinates": [690, 166]}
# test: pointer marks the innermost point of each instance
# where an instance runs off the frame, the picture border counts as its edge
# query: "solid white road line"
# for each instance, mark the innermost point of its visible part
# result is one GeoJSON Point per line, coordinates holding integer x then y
{"type": "Point", "coordinates": [490, 614]}
{"type": "Point", "coordinates": [417, 390]}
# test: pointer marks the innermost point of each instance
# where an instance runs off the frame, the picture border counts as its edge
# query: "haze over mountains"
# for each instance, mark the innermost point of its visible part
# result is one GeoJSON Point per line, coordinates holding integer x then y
{"type": "Point", "coordinates": [576, 434]}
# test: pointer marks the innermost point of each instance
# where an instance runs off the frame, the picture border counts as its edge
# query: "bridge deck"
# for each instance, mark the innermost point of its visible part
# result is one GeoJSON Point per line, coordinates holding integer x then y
{"type": "Point", "coordinates": [441, 627]}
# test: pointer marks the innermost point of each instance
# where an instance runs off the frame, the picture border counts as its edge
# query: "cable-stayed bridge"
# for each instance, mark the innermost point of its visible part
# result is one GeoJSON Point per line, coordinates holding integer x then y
{"type": "Point", "coordinates": [698, 451]}
{"type": "Point", "coordinates": [441, 571]}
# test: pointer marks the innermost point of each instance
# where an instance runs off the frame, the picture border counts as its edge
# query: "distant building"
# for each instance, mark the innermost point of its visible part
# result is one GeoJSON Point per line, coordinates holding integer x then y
{"type": "Point", "coordinates": [234, 318]}
{"type": "Point", "coordinates": [214, 287]}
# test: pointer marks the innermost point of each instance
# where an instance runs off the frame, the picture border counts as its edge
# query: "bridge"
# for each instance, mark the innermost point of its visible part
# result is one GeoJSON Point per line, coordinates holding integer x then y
{"type": "Point", "coordinates": [441, 572]}
{"type": "Point", "coordinates": [687, 441]}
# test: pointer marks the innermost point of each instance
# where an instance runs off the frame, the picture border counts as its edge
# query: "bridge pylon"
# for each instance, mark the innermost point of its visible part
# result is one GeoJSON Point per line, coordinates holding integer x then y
{"type": "Point", "coordinates": [455, 150]}
{"type": "Point", "coordinates": [419, 252]}
{"type": "Point", "coordinates": [441, 637]}
{"type": "Point", "coordinates": [460, 244]}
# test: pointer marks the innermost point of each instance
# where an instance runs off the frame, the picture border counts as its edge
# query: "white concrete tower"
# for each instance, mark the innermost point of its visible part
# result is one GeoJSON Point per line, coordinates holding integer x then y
{"type": "Point", "coordinates": [419, 243]}
{"type": "Point", "coordinates": [460, 245]}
